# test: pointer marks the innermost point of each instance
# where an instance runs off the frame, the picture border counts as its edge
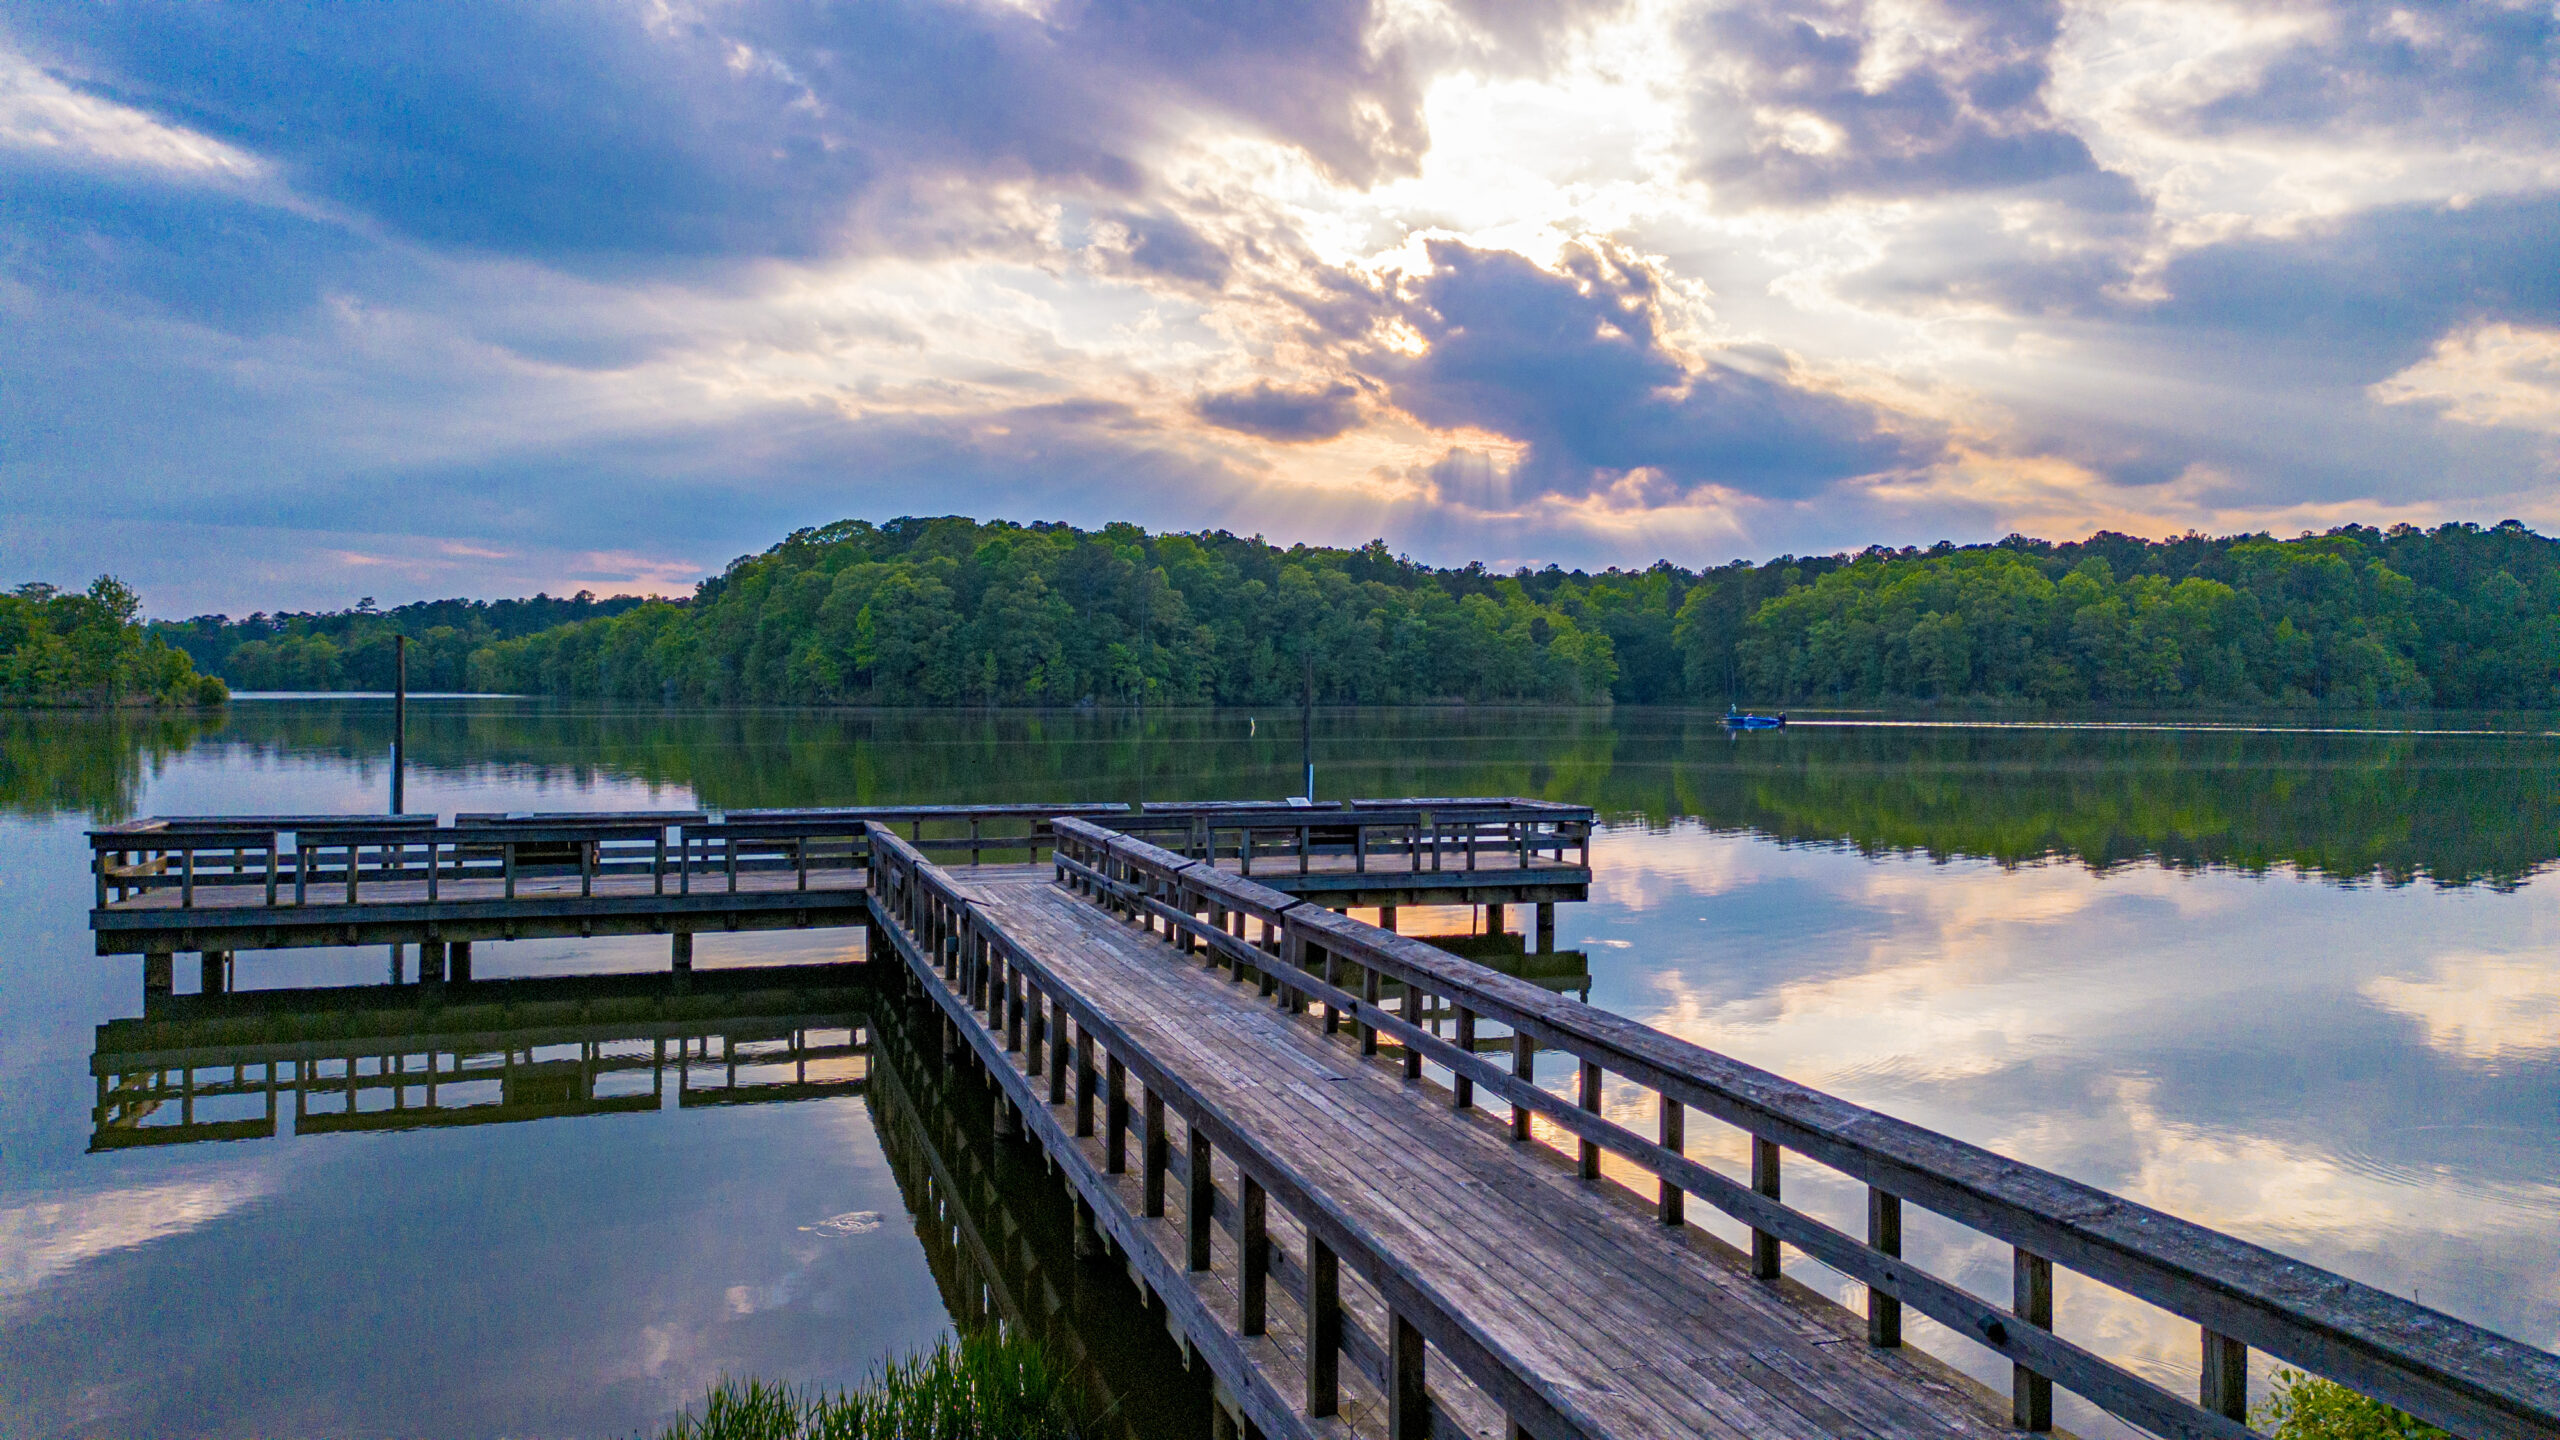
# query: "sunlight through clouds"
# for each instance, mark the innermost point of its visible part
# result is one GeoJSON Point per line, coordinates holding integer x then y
{"type": "Point", "coordinates": [1899, 270]}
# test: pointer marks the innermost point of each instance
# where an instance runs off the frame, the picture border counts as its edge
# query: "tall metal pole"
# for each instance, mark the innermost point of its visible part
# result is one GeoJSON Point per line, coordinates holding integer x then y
{"type": "Point", "coordinates": [1307, 726]}
{"type": "Point", "coordinates": [399, 723]}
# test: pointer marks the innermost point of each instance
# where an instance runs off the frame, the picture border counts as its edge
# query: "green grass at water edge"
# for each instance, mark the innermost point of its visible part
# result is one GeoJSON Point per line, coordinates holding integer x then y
{"type": "Point", "coordinates": [983, 1387]}
{"type": "Point", "coordinates": [2305, 1407]}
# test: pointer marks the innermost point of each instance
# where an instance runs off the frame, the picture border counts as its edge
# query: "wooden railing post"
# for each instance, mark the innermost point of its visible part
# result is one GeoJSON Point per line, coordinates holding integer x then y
{"type": "Point", "coordinates": [1669, 1205]}
{"type": "Point", "coordinates": [1884, 1232]}
{"type": "Point", "coordinates": [1590, 1100]}
{"type": "Point", "coordinates": [1253, 1238]}
{"type": "Point", "coordinates": [1059, 1043]}
{"type": "Point", "coordinates": [1764, 1178]}
{"type": "Point", "coordinates": [1412, 1012]}
{"type": "Point", "coordinates": [1086, 1080]}
{"type": "Point", "coordinates": [1034, 1030]}
{"type": "Point", "coordinates": [1115, 1114]}
{"type": "Point", "coordinates": [2224, 1385]}
{"type": "Point", "coordinates": [1324, 1330]}
{"type": "Point", "coordinates": [1200, 1200]}
{"type": "Point", "coordinates": [1462, 1087]}
{"type": "Point", "coordinates": [1368, 1002]}
{"type": "Point", "coordinates": [2031, 1394]}
{"type": "Point", "coordinates": [1408, 1402]}
{"type": "Point", "coordinates": [1159, 1155]}
{"type": "Point", "coordinates": [1524, 1065]}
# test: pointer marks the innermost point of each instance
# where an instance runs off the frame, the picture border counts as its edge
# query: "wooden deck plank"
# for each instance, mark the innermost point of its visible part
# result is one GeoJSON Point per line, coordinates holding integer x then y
{"type": "Point", "coordinates": [1658, 1335]}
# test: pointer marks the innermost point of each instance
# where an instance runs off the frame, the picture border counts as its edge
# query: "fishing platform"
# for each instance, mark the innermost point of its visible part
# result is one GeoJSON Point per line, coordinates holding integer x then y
{"type": "Point", "coordinates": [1373, 1188]}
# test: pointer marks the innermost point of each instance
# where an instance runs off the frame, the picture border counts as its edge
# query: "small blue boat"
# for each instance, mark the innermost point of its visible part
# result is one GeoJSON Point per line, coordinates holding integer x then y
{"type": "Point", "coordinates": [1738, 719]}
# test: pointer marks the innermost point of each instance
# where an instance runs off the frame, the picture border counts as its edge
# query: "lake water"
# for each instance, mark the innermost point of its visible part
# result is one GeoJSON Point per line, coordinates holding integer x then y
{"type": "Point", "coordinates": [2297, 985]}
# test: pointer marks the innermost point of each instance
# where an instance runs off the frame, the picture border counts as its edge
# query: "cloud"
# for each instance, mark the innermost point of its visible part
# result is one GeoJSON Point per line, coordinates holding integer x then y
{"type": "Point", "coordinates": [1806, 100]}
{"type": "Point", "coordinates": [1575, 367]}
{"type": "Point", "coordinates": [2367, 294]}
{"type": "Point", "coordinates": [603, 135]}
{"type": "Point", "coordinates": [2487, 374]}
{"type": "Point", "coordinates": [212, 257]}
{"type": "Point", "coordinates": [2483, 1008]}
{"type": "Point", "coordinates": [2459, 71]}
{"type": "Point", "coordinates": [1289, 416]}
{"type": "Point", "coordinates": [42, 1239]}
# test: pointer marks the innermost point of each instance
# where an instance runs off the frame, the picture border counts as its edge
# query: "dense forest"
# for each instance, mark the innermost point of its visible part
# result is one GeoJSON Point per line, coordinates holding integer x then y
{"type": "Point", "coordinates": [90, 647]}
{"type": "Point", "coordinates": [951, 611]}
{"type": "Point", "coordinates": [353, 649]}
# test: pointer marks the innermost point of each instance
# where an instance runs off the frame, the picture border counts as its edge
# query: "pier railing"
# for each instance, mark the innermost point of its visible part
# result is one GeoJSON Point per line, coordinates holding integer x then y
{"type": "Point", "coordinates": [1418, 835]}
{"type": "Point", "coordinates": [332, 860]}
{"type": "Point", "coordinates": [2465, 1379]}
{"type": "Point", "coordinates": [1032, 1013]}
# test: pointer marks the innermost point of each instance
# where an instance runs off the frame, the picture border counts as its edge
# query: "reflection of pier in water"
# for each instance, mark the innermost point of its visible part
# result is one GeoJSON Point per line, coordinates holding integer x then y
{"type": "Point", "coordinates": [248, 1064]}
{"type": "Point", "coordinates": [1000, 1240]}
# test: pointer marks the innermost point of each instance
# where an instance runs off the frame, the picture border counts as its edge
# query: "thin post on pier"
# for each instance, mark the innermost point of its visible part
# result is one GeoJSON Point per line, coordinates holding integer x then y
{"type": "Point", "coordinates": [1307, 726]}
{"type": "Point", "coordinates": [399, 724]}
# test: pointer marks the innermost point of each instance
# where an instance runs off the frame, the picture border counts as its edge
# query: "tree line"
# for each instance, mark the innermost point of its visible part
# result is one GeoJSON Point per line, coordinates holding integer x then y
{"type": "Point", "coordinates": [356, 649]}
{"type": "Point", "coordinates": [952, 611]}
{"type": "Point", "coordinates": [89, 647]}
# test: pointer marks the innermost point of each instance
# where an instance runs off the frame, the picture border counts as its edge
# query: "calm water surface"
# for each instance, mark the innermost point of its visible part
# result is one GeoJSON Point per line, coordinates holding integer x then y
{"type": "Point", "coordinates": [2300, 986]}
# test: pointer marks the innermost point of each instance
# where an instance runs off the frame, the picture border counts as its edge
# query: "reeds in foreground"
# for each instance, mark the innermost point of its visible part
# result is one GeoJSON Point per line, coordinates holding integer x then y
{"type": "Point", "coordinates": [2305, 1407]}
{"type": "Point", "coordinates": [983, 1387]}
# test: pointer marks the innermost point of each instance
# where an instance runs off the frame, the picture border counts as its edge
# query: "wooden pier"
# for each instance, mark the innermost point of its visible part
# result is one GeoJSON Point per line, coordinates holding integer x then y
{"type": "Point", "coordinates": [220, 885]}
{"type": "Point", "coordinates": [1329, 1153]}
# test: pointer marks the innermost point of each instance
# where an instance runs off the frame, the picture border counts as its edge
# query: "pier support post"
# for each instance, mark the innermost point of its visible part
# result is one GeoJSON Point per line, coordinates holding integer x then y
{"type": "Point", "coordinates": [680, 951]}
{"type": "Point", "coordinates": [1546, 927]}
{"type": "Point", "coordinates": [1387, 918]}
{"type": "Point", "coordinates": [160, 973]}
{"type": "Point", "coordinates": [459, 959]}
{"type": "Point", "coordinates": [431, 962]}
{"type": "Point", "coordinates": [1008, 1124]}
{"type": "Point", "coordinates": [214, 968]}
{"type": "Point", "coordinates": [1088, 1235]}
{"type": "Point", "coordinates": [1493, 920]}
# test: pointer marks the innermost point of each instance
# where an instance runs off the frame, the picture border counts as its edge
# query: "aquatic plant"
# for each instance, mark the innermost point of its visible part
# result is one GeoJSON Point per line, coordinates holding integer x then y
{"type": "Point", "coordinates": [2306, 1407]}
{"type": "Point", "coordinates": [982, 1387]}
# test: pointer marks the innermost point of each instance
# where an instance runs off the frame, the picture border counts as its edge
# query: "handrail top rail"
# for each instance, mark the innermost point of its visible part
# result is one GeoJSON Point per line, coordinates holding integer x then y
{"type": "Point", "coordinates": [1375, 811]}
{"type": "Point", "coordinates": [208, 831]}
{"type": "Point", "coordinates": [1006, 811]}
{"type": "Point", "coordinates": [480, 818]}
{"type": "Point", "coordinates": [197, 826]}
{"type": "Point", "coordinates": [2370, 1324]}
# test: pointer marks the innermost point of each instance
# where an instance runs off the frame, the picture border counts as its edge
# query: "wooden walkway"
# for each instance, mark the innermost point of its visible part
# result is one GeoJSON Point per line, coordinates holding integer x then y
{"type": "Point", "coordinates": [1647, 1326]}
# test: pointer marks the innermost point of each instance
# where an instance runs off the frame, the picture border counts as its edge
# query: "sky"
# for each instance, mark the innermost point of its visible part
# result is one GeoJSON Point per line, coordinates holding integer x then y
{"type": "Point", "coordinates": [302, 303]}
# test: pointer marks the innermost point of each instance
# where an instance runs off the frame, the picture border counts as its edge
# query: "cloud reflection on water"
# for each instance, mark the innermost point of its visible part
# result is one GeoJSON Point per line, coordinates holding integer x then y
{"type": "Point", "coordinates": [2362, 1077]}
